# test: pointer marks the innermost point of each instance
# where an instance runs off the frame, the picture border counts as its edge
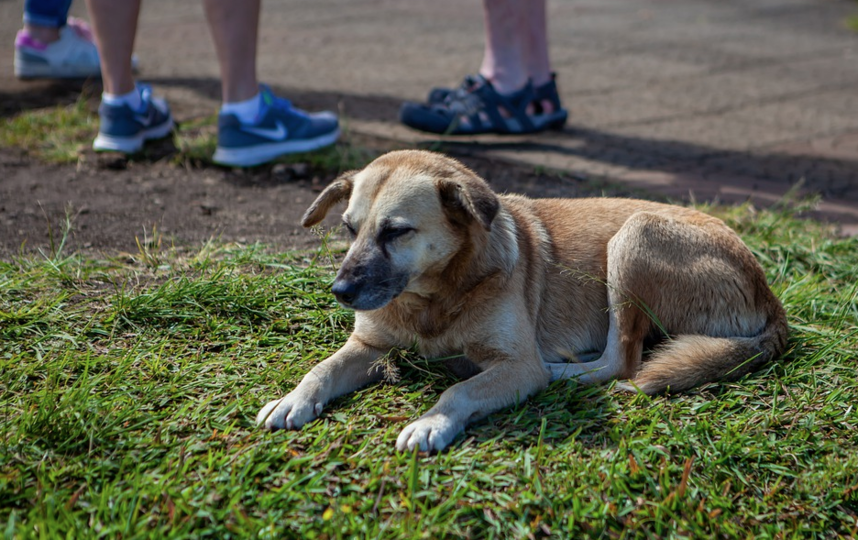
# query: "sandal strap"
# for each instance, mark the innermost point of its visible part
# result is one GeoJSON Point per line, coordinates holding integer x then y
{"type": "Point", "coordinates": [477, 108]}
{"type": "Point", "coordinates": [481, 101]}
{"type": "Point", "coordinates": [440, 94]}
{"type": "Point", "coordinates": [547, 92]}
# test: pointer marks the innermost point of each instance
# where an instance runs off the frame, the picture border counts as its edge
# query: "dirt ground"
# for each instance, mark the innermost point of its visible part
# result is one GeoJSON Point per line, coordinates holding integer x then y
{"type": "Point", "coordinates": [112, 203]}
{"type": "Point", "coordinates": [111, 208]}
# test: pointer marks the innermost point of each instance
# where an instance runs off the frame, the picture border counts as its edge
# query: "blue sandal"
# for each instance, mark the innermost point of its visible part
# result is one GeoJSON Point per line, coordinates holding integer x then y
{"type": "Point", "coordinates": [544, 92]}
{"type": "Point", "coordinates": [475, 108]}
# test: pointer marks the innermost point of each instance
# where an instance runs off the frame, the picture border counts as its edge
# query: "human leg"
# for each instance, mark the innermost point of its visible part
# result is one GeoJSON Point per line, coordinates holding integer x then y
{"type": "Point", "coordinates": [517, 51]}
{"type": "Point", "coordinates": [515, 91]}
{"type": "Point", "coordinates": [115, 27]}
{"type": "Point", "coordinates": [516, 48]}
{"type": "Point", "coordinates": [129, 114]}
{"type": "Point", "coordinates": [537, 60]}
{"type": "Point", "coordinates": [44, 18]}
{"type": "Point", "coordinates": [495, 101]}
{"type": "Point", "coordinates": [254, 125]}
{"type": "Point", "coordinates": [234, 26]}
{"type": "Point", "coordinates": [536, 43]}
{"type": "Point", "coordinates": [505, 55]}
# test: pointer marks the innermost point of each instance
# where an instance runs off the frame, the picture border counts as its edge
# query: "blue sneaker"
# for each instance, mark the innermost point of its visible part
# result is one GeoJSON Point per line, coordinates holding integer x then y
{"type": "Point", "coordinates": [122, 129]}
{"type": "Point", "coordinates": [281, 129]}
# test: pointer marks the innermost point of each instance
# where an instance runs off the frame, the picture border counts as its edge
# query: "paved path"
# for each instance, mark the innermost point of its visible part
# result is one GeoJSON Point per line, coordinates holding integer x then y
{"type": "Point", "coordinates": [705, 98]}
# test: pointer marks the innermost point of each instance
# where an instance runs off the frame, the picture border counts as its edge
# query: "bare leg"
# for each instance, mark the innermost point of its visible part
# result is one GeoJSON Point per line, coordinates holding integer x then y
{"type": "Point", "coordinates": [114, 24]}
{"type": "Point", "coordinates": [536, 43]}
{"type": "Point", "coordinates": [505, 56]}
{"type": "Point", "coordinates": [234, 25]}
{"type": "Point", "coordinates": [45, 34]}
{"type": "Point", "coordinates": [516, 46]}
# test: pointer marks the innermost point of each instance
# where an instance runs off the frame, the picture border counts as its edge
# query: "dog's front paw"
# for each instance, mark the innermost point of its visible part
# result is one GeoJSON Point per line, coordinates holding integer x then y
{"type": "Point", "coordinates": [290, 412]}
{"type": "Point", "coordinates": [428, 433]}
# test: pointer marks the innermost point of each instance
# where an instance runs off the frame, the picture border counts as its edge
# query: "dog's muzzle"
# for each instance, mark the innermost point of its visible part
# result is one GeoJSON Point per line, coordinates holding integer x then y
{"type": "Point", "coordinates": [346, 291]}
{"type": "Point", "coordinates": [368, 294]}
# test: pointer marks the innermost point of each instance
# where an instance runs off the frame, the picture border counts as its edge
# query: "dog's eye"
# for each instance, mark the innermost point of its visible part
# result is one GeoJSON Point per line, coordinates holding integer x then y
{"type": "Point", "coordinates": [392, 233]}
{"type": "Point", "coordinates": [349, 228]}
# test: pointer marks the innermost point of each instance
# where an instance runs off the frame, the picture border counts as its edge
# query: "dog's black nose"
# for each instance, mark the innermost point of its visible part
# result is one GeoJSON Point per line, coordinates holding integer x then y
{"type": "Point", "coordinates": [345, 291]}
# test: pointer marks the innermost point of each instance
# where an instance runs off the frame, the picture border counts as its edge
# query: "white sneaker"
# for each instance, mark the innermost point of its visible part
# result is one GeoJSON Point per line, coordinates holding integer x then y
{"type": "Point", "coordinates": [73, 56]}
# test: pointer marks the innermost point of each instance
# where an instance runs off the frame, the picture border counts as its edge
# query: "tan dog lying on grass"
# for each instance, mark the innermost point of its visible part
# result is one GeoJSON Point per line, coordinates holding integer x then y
{"type": "Point", "coordinates": [526, 289]}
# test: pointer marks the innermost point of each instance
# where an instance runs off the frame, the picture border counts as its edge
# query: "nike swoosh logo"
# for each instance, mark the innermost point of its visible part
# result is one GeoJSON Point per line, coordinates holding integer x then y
{"type": "Point", "coordinates": [143, 119]}
{"type": "Point", "coordinates": [276, 134]}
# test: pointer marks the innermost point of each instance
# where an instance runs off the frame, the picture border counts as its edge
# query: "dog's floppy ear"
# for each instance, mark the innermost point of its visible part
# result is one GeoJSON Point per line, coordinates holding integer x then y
{"type": "Point", "coordinates": [470, 198]}
{"type": "Point", "coordinates": [339, 189]}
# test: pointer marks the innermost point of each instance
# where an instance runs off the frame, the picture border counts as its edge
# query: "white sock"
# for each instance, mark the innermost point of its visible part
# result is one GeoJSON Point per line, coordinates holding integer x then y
{"type": "Point", "coordinates": [246, 111]}
{"type": "Point", "coordinates": [132, 99]}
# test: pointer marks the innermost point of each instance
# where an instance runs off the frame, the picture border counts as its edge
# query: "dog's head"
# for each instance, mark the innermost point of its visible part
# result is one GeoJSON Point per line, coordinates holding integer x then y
{"type": "Point", "coordinates": [409, 213]}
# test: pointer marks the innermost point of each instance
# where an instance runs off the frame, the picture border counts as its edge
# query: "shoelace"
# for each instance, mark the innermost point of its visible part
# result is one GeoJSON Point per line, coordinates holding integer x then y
{"type": "Point", "coordinates": [278, 103]}
{"type": "Point", "coordinates": [145, 96]}
{"type": "Point", "coordinates": [469, 84]}
{"type": "Point", "coordinates": [149, 102]}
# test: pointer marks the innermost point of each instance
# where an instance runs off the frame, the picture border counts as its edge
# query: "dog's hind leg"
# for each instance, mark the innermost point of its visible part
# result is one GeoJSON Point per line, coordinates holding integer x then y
{"type": "Point", "coordinates": [627, 328]}
{"type": "Point", "coordinates": [690, 279]}
{"type": "Point", "coordinates": [630, 318]}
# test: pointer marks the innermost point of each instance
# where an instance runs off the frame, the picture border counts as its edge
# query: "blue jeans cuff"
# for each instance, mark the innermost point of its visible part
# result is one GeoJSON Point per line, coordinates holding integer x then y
{"type": "Point", "coordinates": [49, 22]}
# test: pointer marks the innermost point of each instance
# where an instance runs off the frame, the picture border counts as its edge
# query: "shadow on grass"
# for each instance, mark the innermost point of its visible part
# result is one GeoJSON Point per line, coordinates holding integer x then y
{"type": "Point", "coordinates": [48, 93]}
{"type": "Point", "coordinates": [564, 411]}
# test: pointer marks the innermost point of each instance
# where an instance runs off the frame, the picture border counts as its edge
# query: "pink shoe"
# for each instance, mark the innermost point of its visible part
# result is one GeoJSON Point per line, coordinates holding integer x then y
{"type": "Point", "coordinates": [73, 56]}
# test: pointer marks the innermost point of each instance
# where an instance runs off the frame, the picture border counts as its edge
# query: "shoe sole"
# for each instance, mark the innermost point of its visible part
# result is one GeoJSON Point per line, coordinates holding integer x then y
{"type": "Point", "coordinates": [257, 155]}
{"type": "Point", "coordinates": [29, 70]}
{"type": "Point", "coordinates": [557, 124]}
{"type": "Point", "coordinates": [131, 145]}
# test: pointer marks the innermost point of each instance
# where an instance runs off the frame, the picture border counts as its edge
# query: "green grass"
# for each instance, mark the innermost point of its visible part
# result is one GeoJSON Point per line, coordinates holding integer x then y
{"type": "Point", "coordinates": [57, 134]}
{"type": "Point", "coordinates": [128, 390]}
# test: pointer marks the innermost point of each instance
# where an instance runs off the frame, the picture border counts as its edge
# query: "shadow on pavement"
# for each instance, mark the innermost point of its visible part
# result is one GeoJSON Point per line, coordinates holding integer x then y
{"type": "Point", "coordinates": [674, 166]}
{"type": "Point", "coordinates": [829, 177]}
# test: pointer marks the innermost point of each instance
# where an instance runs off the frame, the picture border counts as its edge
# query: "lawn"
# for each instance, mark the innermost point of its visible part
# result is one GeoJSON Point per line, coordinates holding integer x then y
{"type": "Point", "coordinates": [129, 387]}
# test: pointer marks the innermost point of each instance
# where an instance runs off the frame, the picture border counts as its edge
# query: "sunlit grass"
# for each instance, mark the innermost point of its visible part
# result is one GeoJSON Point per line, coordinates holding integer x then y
{"type": "Point", "coordinates": [128, 389]}
{"type": "Point", "coordinates": [57, 134]}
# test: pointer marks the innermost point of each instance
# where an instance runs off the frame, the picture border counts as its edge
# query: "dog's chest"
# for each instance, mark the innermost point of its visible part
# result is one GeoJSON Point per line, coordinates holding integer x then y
{"type": "Point", "coordinates": [431, 341]}
{"type": "Point", "coordinates": [434, 334]}
{"type": "Point", "coordinates": [440, 347]}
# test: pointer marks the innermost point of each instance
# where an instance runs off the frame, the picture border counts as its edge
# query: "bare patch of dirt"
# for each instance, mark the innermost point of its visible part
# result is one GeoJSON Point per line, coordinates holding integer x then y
{"type": "Point", "coordinates": [114, 202]}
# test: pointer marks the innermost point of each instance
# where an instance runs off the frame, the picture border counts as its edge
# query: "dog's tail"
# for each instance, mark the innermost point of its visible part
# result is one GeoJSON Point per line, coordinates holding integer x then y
{"type": "Point", "coordinates": [689, 360]}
